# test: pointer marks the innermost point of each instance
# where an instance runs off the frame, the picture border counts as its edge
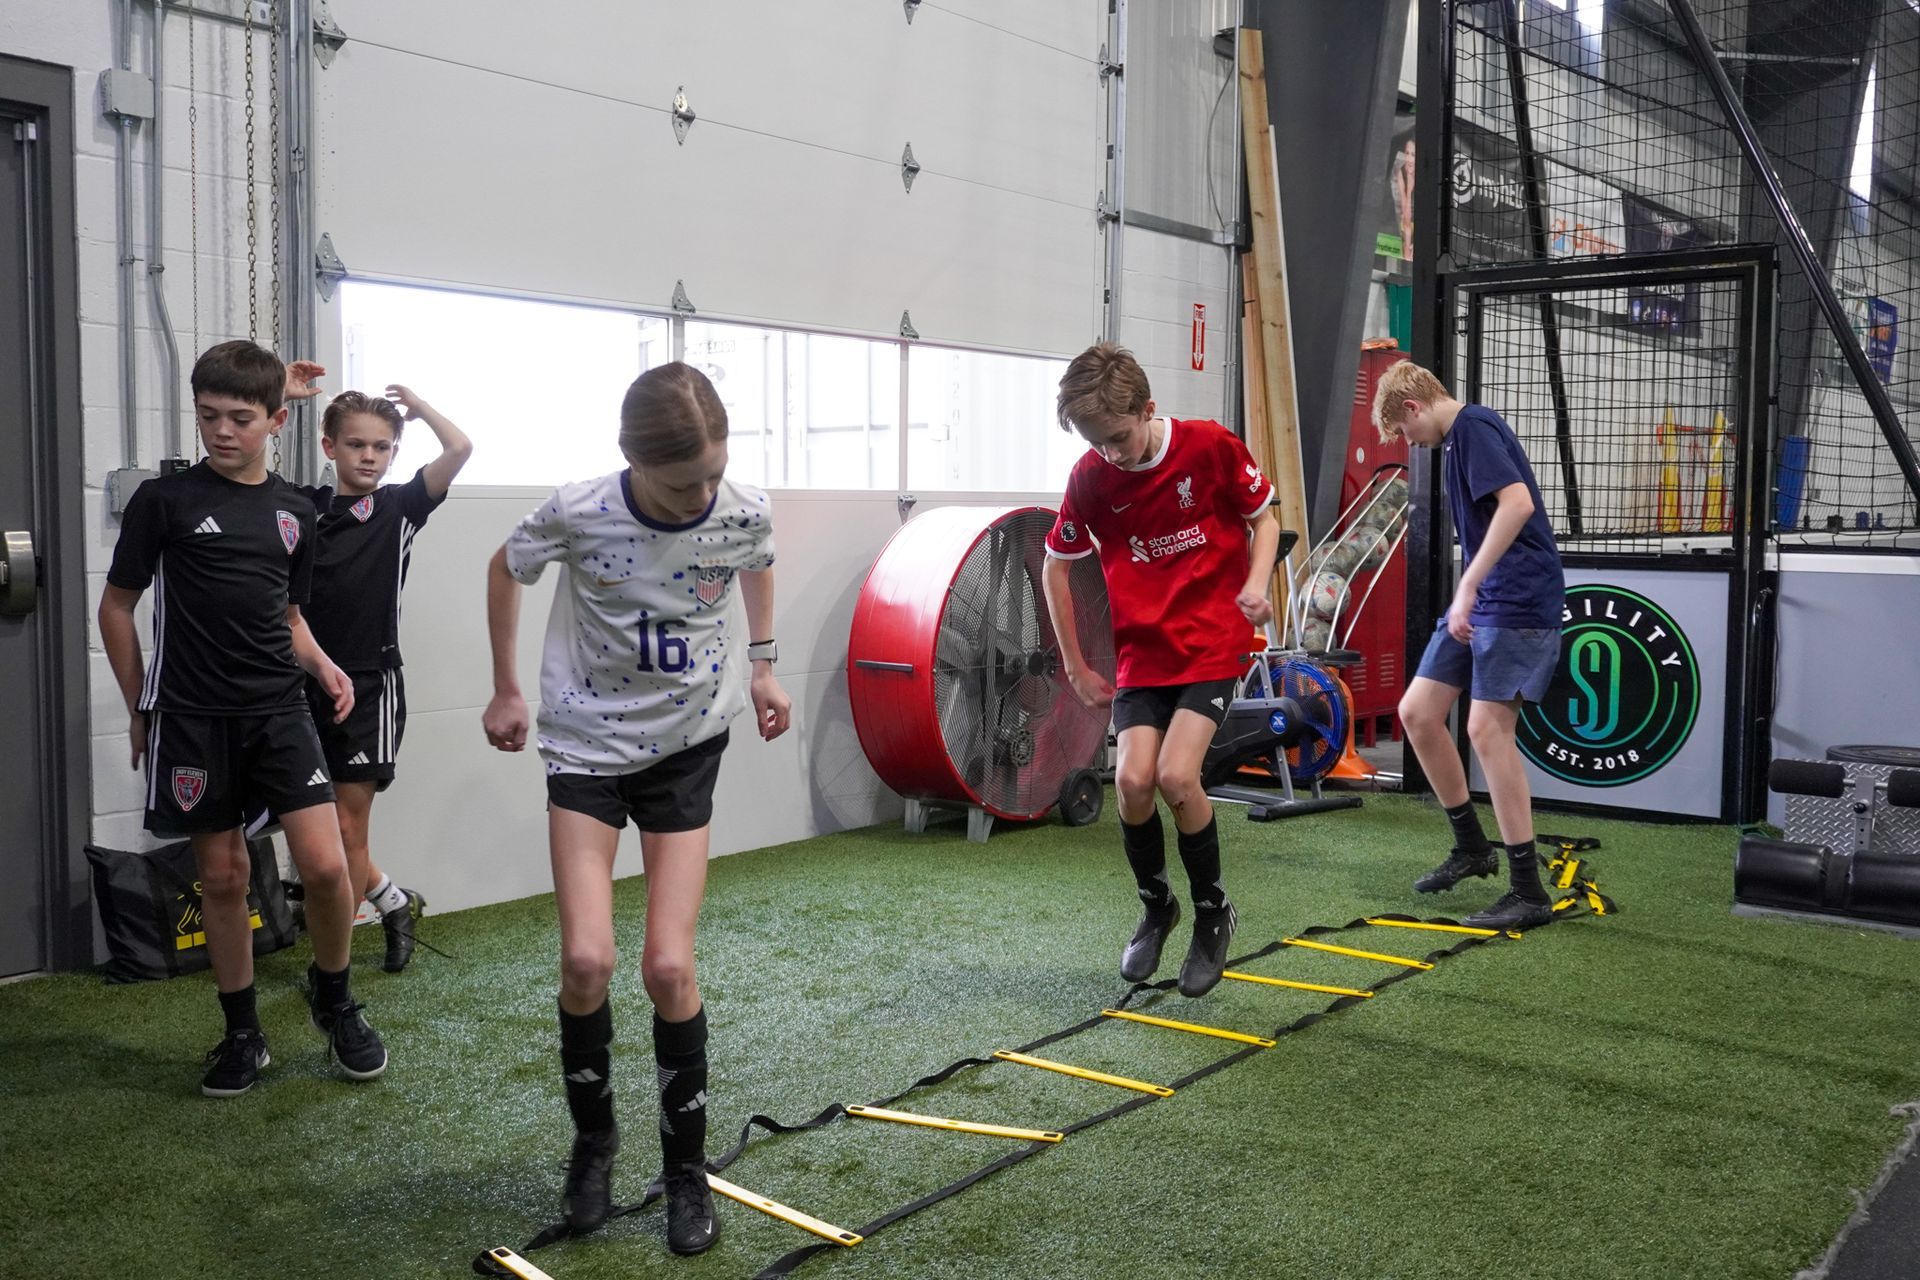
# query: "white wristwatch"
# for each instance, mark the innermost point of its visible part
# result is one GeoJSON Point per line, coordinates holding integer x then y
{"type": "Point", "coordinates": [763, 651]}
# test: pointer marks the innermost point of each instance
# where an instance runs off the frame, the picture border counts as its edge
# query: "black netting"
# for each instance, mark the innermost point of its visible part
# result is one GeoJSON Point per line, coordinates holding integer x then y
{"type": "Point", "coordinates": [1635, 154]}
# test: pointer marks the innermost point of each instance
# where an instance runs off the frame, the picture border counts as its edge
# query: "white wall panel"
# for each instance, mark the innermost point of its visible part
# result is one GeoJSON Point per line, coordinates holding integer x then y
{"type": "Point", "coordinates": [456, 167]}
{"type": "Point", "coordinates": [847, 75]}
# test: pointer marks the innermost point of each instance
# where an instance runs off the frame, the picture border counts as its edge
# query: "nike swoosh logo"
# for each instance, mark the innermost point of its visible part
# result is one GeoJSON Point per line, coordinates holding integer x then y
{"type": "Point", "coordinates": [614, 582]}
{"type": "Point", "coordinates": [1122, 507]}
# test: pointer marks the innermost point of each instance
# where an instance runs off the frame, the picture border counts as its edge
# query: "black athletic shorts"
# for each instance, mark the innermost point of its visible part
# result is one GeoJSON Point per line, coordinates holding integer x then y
{"type": "Point", "coordinates": [676, 794]}
{"type": "Point", "coordinates": [363, 747]}
{"type": "Point", "coordinates": [208, 773]}
{"type": "Point", "coordinates": [1154, 705]}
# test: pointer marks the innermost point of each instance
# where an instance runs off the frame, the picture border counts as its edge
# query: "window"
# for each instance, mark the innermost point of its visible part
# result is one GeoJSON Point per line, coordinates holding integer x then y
{"type": "Point", "coordinates": [537, 385]}
{"type": "Point", "coordinates": [1860, 173]}
{"type": "Point", "coordinates": [804, 410]}
{"type": "Point", "coordinates": [979, 420]}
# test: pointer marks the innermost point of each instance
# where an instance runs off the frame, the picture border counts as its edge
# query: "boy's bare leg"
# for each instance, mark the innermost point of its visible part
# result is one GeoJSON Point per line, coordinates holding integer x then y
{"type": "Point", "coordinates": [1492, 727]}
{"type": "Point", "coordinates": [582, 850]}
{"type": "Point", "coordinates": [1177, 770]}
{"type": "Point", "coordinates": [226, 872]}
{"type": "Point", "coordinates": [1424, 709]}
{"type": "Point", "coordinates": [313, 840]}
{"type": "Point", "coordinates": [1144, 838]}
{"type": "Point", "coordinates": [353, 801]}
{"type": "Point", "coordinates": [1134, 774]}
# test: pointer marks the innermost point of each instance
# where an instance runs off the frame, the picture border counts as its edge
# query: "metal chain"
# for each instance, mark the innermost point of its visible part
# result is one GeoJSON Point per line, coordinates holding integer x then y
{"type": "Point", "coordinates": [273, 128]}
{"type": "Point", "coordinates": [253, 283]}
{"type": "Point", "coordinates": [193, 190]}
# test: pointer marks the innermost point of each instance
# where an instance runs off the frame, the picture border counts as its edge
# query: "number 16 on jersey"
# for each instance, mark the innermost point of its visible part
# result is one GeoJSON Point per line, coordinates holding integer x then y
{"type": "Point", "coordinates": [661, 650]}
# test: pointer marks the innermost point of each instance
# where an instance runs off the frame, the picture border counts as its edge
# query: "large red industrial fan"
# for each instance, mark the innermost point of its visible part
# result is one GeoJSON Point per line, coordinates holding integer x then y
{"type": "Point", "coordinates": [954, 674]}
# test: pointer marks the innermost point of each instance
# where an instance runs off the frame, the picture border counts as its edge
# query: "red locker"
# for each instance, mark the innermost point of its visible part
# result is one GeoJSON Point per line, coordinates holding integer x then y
{"type": "Point", "coordinates": [1380, 634]}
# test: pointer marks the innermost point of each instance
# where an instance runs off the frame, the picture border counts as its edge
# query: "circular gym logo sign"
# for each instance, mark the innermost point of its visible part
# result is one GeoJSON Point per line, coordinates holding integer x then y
{"type": "Point", "coordinates": [1624, 697]}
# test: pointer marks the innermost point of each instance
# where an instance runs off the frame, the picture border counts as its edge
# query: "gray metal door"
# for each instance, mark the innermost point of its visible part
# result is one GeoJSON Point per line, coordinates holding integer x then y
{"type": "Point", "coordinates": [24, 856]}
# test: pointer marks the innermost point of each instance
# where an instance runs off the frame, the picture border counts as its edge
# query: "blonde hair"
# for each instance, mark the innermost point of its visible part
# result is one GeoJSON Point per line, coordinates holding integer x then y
{"type": "Point", "coordinates": [1103, 384]}
{"type": "Point", "coordinates": [1403, 381]}
{"type": "Point", "coordinates": [670, 414]}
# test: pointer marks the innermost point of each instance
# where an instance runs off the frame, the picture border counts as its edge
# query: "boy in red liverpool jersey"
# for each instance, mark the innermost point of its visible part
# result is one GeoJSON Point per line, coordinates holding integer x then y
{"type": "Point", "coordinates": [1170, 504]}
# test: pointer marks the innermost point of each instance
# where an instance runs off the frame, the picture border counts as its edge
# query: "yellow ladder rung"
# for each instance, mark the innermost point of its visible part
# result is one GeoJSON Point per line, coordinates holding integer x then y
{"type": "Point", "coordinates": [1297, 986]}
{"type": "Point", "coordinates": [955, 1126]}
{"type": "Point", "coordinates": [1438, 928]}
{"type": "Point", "coordinates": [1195, 1028]}
{"type": "Point", "coordinates": [774, 1209]}
{"type": "Point", "coordinates": [1081, 1073]}
{"type": "Point", "coordinates": [515, 1265]}
{"type": "Point", "coordinates": [1358, 955]}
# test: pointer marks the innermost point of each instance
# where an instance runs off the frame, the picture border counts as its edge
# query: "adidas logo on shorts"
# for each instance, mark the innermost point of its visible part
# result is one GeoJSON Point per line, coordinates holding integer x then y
{"type": "Point", "coordinates": [319, 778]}
{"type": "Point", "coordinates": [359, 757]}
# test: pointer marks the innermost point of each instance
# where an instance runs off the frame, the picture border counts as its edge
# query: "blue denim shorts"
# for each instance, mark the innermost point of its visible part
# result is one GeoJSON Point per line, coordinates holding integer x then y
{"type": "Point", "coordinates": [1502, 664]}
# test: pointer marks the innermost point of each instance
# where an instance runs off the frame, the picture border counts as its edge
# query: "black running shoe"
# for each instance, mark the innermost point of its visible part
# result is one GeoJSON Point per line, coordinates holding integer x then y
{"type": "Point", "coordinates": [234, 1064]}
{"type": "Point", "coordinates": [1512, 912]}
{"type": "Point", "coordinates": [1458, 866]}
{"type": "Point", "coordinates": [1207, 957]}
{"type": "Point", "coordinates": [353, 1044]}
{"type": "Point", "coordinates": [587, 1200]}
{"type": "Point", "coordinates": [398, 926]}
{"type": "Point", "coordinates": [691, 1224]}
{"type": "Point", "coordinates": [1142, 955]}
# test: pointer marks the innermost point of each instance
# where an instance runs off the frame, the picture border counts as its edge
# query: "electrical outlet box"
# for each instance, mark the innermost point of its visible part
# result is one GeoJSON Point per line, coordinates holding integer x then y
{"type": "Point", "coordinates": [126, 93]}
{"type": "Point", "coordinates": [122, 483]}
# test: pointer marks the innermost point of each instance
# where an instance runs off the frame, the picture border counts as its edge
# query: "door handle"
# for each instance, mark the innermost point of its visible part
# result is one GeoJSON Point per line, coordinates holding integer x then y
{"type": "Point", "coordinates": [19, 574]}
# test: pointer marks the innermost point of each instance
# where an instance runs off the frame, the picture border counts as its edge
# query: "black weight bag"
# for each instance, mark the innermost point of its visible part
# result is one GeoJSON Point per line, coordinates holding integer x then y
{"type": "Point", "coordinates": [150, 909]}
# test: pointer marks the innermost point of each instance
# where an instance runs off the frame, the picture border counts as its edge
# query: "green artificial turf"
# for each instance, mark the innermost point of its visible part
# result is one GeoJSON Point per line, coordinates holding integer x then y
{"type": "Point", "coordinates": [1668, 1092]}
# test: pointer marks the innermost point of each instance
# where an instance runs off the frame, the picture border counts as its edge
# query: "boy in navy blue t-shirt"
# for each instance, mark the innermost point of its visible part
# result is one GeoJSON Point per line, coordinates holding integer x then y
{"type": "Point", "coordinates": [1500, 638]}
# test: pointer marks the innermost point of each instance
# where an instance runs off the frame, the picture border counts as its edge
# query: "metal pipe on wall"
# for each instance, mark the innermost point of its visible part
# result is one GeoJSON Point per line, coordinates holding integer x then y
{"type": "Point", "coordinates": [156, 244]}
{"type": "Point", "coordinates": [301, 289]}
{"type": "Point", "coordinates": [123, 243]}
{"type": "Point", "coordinates": [1116, 167]}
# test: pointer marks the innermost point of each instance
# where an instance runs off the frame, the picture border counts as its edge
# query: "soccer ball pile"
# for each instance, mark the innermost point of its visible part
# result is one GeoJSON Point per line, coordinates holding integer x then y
{"type": "Point", "coordinates": [1363, 548]}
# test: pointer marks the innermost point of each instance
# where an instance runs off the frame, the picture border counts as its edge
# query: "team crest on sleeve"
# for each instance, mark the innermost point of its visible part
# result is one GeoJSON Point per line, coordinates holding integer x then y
{"type": "Point", "coordinates": [711, 583]}
{"type": "Point", "coordinates": [289, 530]}
{"type": "Point", "coordinates": [188, 786]}
{"type": "Point", "coordinates": [1068, 533]}
{"type": "Point", "coordinates": [362, 511]}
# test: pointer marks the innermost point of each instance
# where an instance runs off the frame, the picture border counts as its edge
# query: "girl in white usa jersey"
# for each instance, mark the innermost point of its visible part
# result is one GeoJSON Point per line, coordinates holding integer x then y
{"type": "Point", "coordinates": [640, 683]}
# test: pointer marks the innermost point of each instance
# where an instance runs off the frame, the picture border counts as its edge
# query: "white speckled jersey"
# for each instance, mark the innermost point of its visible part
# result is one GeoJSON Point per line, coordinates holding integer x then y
{"type": "Point", "coordinates": [645, 655]}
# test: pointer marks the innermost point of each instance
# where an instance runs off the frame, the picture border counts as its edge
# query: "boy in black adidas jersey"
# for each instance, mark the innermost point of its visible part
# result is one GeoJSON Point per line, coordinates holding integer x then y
{"type": "Point", "coordinates": [362, 552]}
{"type": "Point", "coordinates": [221, 714]}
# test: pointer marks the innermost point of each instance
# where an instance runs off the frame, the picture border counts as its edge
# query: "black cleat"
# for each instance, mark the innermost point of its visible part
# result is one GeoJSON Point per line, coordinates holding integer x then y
{"type": "Point", "coordinates": [1459, 865]}
{"type": "Point", "coordinates": [1207, 957]}
{"type": "Point", "coordinates": [234, 1064]}
{"type": "Point", "coordinates": [1512, 911]}
{"type": "Point", "coordinates": [355, 1046]}
{"type": "Point", "coordinates": [691, 1224]}
{"type": "Point", "coordinates": [1142, 956]}
{"type": "Point", "coordinates": [399, 926]}
{"type": "Point", "coordinates": [586, 1202]}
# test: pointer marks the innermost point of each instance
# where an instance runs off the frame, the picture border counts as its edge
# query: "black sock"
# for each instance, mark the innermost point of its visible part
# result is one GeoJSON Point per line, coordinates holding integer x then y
{"type": "Point", "coordinates": [1468, 835]}
{"type": "Point", "coordinates": [1200, 853]}
{"type": "Point", "coordinates": [586, 1065]}
{"type": "Point", "coordinates": [1146, 845]}
{"type": "Point", "coordinates": [329, 989]}
{"type": "Point", "coordinates": [240, 1011]}
{"type": "Point", "coordinates": [680, 1051]}
{"type": "Point", "coordinates": [1523, 868]}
